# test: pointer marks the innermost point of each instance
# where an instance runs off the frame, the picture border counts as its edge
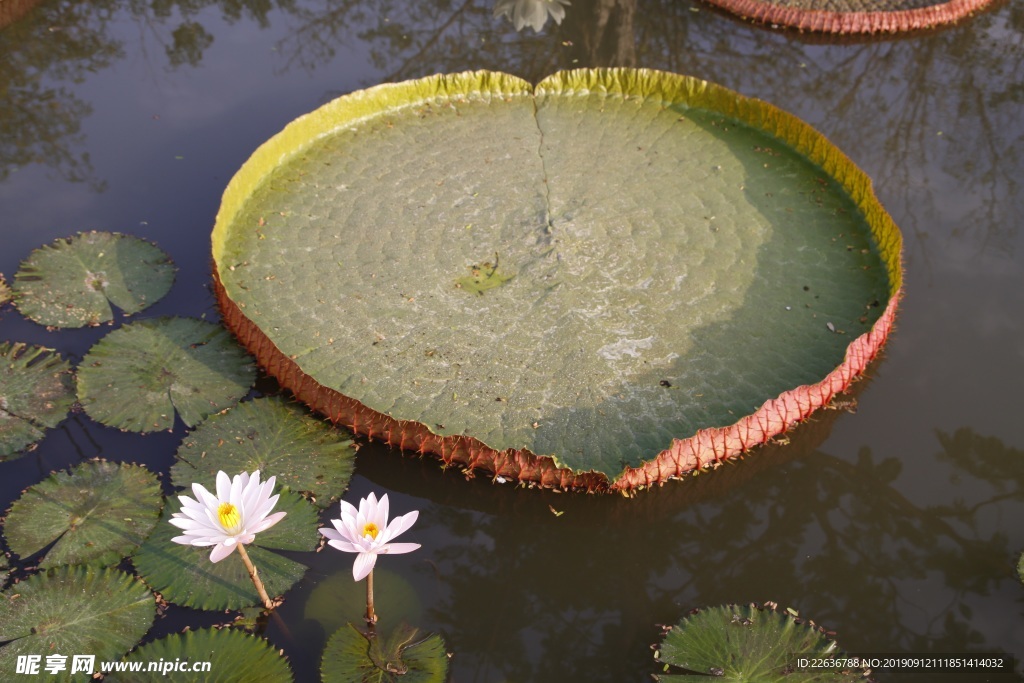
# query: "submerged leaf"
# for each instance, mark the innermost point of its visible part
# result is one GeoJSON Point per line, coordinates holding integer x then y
{"type": "Point", "coordinates": [338, 599]}
{"type": "Point", "coordinates": [136, 377]}
{"type": "Point", "coordinates": [36, 390]}
{"type": "Point", "coordinates": [74, 610]}
{"type": "Point", "coordinates": [305, 453]}
{"type": "Point", "coordinates": [403, 655]}
{"type": "Point", "coordinates": [184, 575]}
{"type": "Point", "coordinates": [749, 644]}
{"type": "Point", "coordinates": [233, 657]}
{"type": "Point", "coordinates": [73, 282]}
{"type": "Point", "coordinates": [97, 514]}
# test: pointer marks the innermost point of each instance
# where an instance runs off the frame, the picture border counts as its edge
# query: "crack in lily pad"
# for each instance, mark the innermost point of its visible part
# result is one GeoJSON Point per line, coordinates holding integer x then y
{"type": "Point", "coordinates": [74, 281]}
{"type": "Point", "coordinates": [748, 644]}
{"type": "Point", "coordinates": [36, 391]}
{"type": "Point", "coordinates": [96, 514]}
{"type": "Point", "coordinates": [699, 275]}
{"type": "Point", "coordinates": [234, 657]}
{"type": "Point", "coordinates": [74, 610]}
{"type": "Point", "coordinates": [136, 377]}
{"type": "Point", "coordinates": [279, 439]}
{"type": "Point", "coordinates": [351, 656]}
{"type": "Point", "coordinates": [184, 575]}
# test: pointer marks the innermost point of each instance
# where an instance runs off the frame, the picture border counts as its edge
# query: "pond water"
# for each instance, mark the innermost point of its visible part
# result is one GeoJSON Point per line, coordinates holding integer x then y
{"type": "Point", "coordinates": [898, 526]}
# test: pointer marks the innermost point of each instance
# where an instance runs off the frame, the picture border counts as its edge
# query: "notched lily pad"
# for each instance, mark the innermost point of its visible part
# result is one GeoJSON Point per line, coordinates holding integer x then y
{"type": "Point", "coordinates": [405, 654]}
{"type": "Point", "coordinates": [74, 610]}
{"type": "Point", "coordinates": [138, 376]}
{"type": "Point", "coordinates": [184, 575]}
{"type": "Point", "coordinates": [36, 391]}
{"type": "Point", "coordinates": [749, 644]}
{"type": "Point", "coordinates": [233, 656]}
{"type": "Point", "coordinates": [304, 452]}
{"type": "Point", "coordinates": [73, 282]}
{"type": "Point", "coordinates": [96, 514]}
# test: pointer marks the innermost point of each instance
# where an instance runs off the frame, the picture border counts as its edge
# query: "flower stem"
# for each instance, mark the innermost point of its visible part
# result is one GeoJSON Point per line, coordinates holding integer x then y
{"type": "Point", "coordinates": [371, 616]}
{"type": "Point", "coordinates": [255, 577]}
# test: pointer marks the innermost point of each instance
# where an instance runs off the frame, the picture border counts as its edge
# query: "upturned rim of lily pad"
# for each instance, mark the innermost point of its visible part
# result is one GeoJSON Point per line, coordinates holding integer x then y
{"type": "Point", "coordinates": [706, 447]}
{"type": "Point", "coordinates": [902, 18]}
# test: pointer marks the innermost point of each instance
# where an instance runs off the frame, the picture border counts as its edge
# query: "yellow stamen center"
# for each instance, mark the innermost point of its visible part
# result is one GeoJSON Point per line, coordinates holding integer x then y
{"type": "Point", "coordinates": [371, 530]}
{"type": "Point", "coordinates": [229, 517]}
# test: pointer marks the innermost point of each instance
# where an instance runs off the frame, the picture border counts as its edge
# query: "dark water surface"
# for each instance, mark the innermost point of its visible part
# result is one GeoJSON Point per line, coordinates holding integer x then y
{"type": "Point", "coordinates": [897, 527]}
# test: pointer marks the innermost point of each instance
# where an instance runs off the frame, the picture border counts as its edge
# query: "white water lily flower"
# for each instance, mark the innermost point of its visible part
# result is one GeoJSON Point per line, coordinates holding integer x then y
{"type": "Point", "coordinates": [533, 13]}
{"type": "Point", "coordinates": [366, 531]}
{"type": "Point", "coordinates": [235, 515]}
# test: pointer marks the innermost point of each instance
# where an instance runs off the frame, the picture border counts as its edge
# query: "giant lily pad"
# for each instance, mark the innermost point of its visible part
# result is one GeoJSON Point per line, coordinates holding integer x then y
{"type": "Point", "coordinates": [36, 390]}
{"type": "Point", "coordinates": [137, 376]}
{"type": "Point", "coordinates": [267, 434]}
{"type": "Point", "coordinates": [232, 656]}
{"type": "Point", "coordinates": [184, 575]}
{"type": "Point", "coordinates": [96, 514]}
{"type": "Point", "coordinates": [610, 279]}
{"type": "Point", "coordinates": [749, 644]}
{"type": "Point", "coordinates": [74, 610]}
{"type": "Point", "coordinates": [73, 282]}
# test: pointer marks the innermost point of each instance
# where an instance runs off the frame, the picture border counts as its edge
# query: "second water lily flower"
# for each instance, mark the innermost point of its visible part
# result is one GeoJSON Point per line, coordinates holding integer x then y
{"type": "Point", "coordinates": [366, 531]}
{"type": "Point", "coordinates": [533, 13]}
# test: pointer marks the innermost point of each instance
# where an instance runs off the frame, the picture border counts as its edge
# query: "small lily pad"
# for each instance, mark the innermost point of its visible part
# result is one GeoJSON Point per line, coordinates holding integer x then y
{"type": "Point", "coordinates": [36, 390]}
{"type": "Point", "coordinates": [748, 644]}
{"type": "Point", "coordinates": [74, 610]}
{"type": "Point", "coordinates": [338, 599]}
{"type": "Point", "coordinates": [404, 655]}
{"type": "Point", "coordinates": [73, 281]}
{"type": "Point", "coordinates": [184, 575]}
{"type": "Point", "coordinates": [232, 656]}
{"type": "Point", "coordinates": [304, 453]}
{"type": "Point", "coordinates": [136, 377]}
{"type": "Point", "coordinates": [97, 514]}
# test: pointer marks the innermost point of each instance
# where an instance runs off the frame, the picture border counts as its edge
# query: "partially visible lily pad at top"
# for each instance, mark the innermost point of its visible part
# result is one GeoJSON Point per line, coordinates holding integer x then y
{"type": "Point", "coordinates": [304, 452]}
{"type": "Point", "coordinates": [184, 575]}
{"type": "Point", "coordinates": [748, 644]}
{"type": "Point", "coordinates": [405, 655]}
{"type": "Point", "coordinates": [233, 657]}
{"type": "Point", "coordinates": [74, 610]}
{"type": "Point", "coordinates": [75, 282]}
{"type": "Point", "coordinates": [36, 390]}
{"type": "Point", "coordinates": [139, 376]}
{"type": "Point", "coordinates": [96, 514]}
{"type": "Point", "coordinates": [603, 281]}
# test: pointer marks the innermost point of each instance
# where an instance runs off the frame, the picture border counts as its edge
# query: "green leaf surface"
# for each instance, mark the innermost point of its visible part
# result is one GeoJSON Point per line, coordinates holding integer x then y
{"type": "Point", "coordinates": [184, 575]}
{"type": "Point", "coordinates": [338, 599]}
{"type": "Point", "coordinates": [73, 282]}
{"type": "Point", "coordinates": [96, 514]}
{"type": "Point", "coordinates": [234, 657]}
{"type": "Point", "coordinates": [136, 377]}
{"type": "Point", "coordinates": [404, 655]}
{"type": "Point", "coordinates": [74, 610]}
{"type": "Point", "coordinates": [748, 644]}
{"type": "Point", "coordinates": [586, 269]}
{"type": "Point", "coordinates": [5, 291]}
{"type": "Point", "coordinates": [279, 439]}
{"type": "Point", "coordinates": [36, 391]}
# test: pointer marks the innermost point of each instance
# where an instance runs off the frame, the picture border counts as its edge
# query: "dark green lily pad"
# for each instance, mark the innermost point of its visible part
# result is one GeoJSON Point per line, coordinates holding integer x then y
{"type": "Point", "coordinates": [338, 599]}
{"type": "Point", "coordinates": [136, 377]}
{"type": "Point", "coordinates": [97, 514]}
{"type": "Point", "coordinates": [74, 281]}
{"type": "Point", "coordinates": [184, 575]}
{"type": "Point", "coordinates": [74, 610]}
{"type": "Point", "coordinates": [748, 644]}
{"type": "Point", "coordinates": [278, 439]}
{"type": "Point", "coordinates": [592, 270]}
{"type": "Point", "coordinates": [233, 656]}
{"type": "Point", "coordinates": [404, 655]}
{"type": "Point", "coordinates": [36, 391]}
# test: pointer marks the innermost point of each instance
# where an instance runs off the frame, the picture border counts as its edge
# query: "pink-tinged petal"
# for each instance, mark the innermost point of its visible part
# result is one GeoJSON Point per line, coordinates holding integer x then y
{"type": "Point", "coordinates": [381, 520]}
{"type": "Point", "coordinates": [203, 496]}
{"type": "Point", "coordinates": [223, 486]}
{"type": "Point", "coordinates": [344, 546]}
{"type": "Point", "coordinates": [221, 551]}
{"type": "Point", "coordinates": [331, 534]}
{"type": "Point", "coordinates": [238, 484]}
{"type": "Point", "coordinates": [268, 522]}
{"type": "Point", "coordinates": [363, 565]}
{"type": "Point", "coordinates": [400, 525]}
{"type": "Point", "coordinates": [399, 548]}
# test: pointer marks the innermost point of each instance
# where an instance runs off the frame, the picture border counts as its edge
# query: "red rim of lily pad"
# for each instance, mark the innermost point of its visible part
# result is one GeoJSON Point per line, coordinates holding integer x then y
{"type": "Point", "coordinates": [703, 449]}
{"type": "Point", "coordinates": [899, 17]}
